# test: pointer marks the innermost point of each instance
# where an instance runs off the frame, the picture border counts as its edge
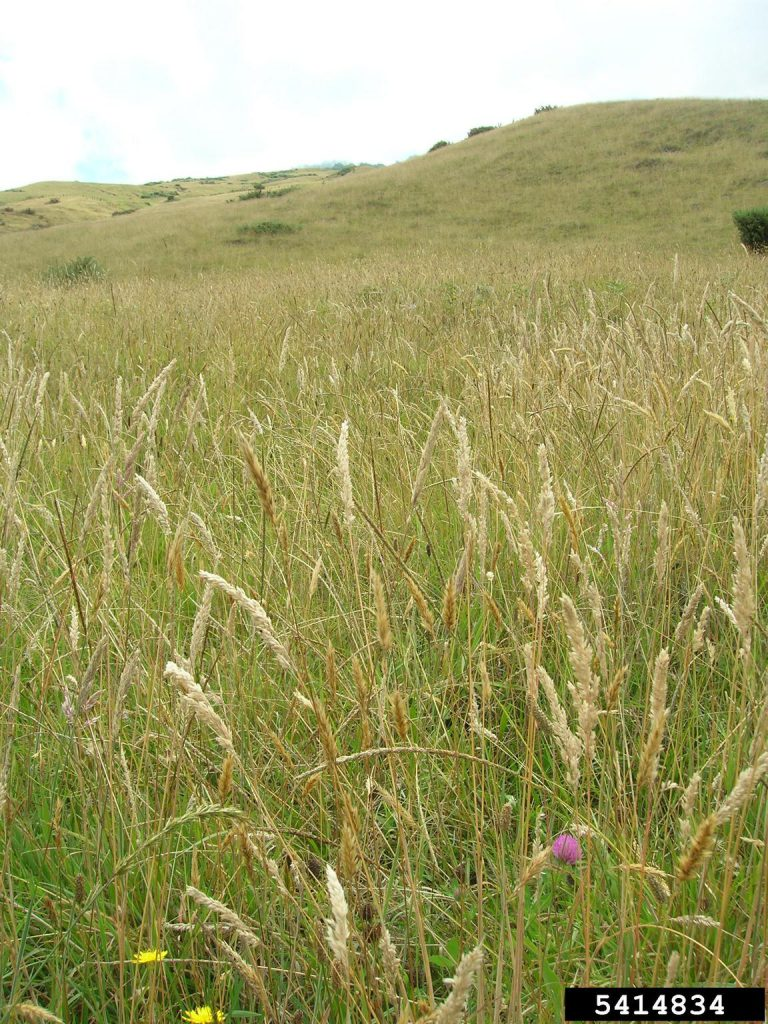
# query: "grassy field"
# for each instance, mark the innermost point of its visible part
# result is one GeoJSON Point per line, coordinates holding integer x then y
{"type": "Point", "coordinates": [405, 566]}
{"type": "Point", "coordinates": [55, 203]}
{"type": "Point", "coordinates": [654, 176]}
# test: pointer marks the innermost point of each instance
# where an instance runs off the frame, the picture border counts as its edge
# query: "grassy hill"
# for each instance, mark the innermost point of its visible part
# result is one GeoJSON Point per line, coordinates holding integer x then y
{"type": "Point", "coordinates": [660, 174]}
{"type": "Point", "coordinates": [48, 204]}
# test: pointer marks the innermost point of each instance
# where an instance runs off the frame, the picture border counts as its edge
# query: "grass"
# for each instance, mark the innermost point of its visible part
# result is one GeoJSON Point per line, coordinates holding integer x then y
{"type": "Point", "coordinates": [659, 176]}
{"type": "Point", "coordinates": [363, 681]}
{"type": "Point", "coordinates": [55, 204]}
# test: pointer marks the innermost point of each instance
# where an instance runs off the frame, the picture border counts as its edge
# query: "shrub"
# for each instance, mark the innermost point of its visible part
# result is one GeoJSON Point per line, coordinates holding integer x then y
{"type": "Point", "coordinates": [267, 227]}
{"type": "Point", "coordinates": [753, 227]}
{"type": "Point", "coordinates": [545, 108]}
{"type": "Point", "coordinates": [53, 201]}
{"type": "Point", "coordinates": [438, 145]}
{"type": "Point", "coordinates": [479, 131]}
{"type": "Point", "coordinates": [255, 193]}
{"type": "Point", "coordinates": [81, 270]}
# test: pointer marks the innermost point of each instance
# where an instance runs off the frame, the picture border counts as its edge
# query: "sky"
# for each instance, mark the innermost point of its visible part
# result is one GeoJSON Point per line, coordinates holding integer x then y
{"type": "Point", "coordinates": [92, 90]}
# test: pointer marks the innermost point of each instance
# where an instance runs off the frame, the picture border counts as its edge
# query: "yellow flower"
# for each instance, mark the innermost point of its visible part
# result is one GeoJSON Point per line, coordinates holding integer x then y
{"type": "Point", "coordinates": [150, 956]}
{"type": "Point", "coordinates": [203, 1015]}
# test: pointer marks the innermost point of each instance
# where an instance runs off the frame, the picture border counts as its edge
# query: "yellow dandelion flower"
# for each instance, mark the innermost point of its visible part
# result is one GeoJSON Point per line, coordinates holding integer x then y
{"type": "Point", "coordinates": [150, 956]}
{"type": "Point", "coordinates": [203, 1015]}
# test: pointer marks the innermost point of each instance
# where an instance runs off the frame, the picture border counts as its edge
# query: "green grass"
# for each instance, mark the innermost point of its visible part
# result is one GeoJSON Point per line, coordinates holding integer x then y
{"type": "Point", "coordinates": [660, 175]}
{"type": "Point", "coordinates": [644, 380]}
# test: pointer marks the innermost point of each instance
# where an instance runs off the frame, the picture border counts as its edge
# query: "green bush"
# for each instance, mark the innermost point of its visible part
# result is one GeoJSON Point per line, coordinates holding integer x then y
{"type": "Point", "coordinates": [267, 227]}
{"type": "Point", "coordinates": [81, 270]}
{"type": "Point", "coordinates": [255, 193]}
{"type": "Point", "coordinates": [479, 131]}
{"type": "Point", "coordinates": [753, 227]}
{"type": "Point", "coordinates": [438, 145]}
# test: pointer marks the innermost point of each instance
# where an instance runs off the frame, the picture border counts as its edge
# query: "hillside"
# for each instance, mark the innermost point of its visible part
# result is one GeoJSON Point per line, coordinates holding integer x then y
{"type": "Point", "coordinates": [48, 204]}
{"type": "Point", "coordinates": [660, 174]}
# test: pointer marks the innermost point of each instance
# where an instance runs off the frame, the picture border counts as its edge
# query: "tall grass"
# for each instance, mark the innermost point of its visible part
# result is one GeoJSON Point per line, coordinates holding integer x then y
{"type": "Point", "coordinates": [331, 598]}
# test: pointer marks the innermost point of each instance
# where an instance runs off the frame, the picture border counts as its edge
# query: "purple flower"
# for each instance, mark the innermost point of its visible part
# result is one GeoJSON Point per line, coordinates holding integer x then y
{"type": "Point", "coordinates": [566, 848]}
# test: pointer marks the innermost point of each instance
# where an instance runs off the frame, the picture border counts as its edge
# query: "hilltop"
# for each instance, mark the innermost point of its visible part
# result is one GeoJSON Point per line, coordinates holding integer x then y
{"type": "Point", "coordinates": [661, 174]}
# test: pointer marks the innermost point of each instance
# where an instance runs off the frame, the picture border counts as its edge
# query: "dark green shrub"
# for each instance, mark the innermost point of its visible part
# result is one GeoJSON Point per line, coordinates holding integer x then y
{"type": "Point", "coordinates": [255, 193]}
{"type": "Point", "coordinates": [753, 228]}
{"type": "Point", "coordinates": [267, 227]}
{"type": "Point", "coordinates": [479, 131]}
{"type": "Point", "coordinates": [439, 145]}
{"type": "Point", "coordinates": [81, 270]}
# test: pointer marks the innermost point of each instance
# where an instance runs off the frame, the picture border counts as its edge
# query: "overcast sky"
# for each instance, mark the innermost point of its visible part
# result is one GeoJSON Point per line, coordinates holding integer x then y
{"type": "Point", "coordinates": [99, 91]}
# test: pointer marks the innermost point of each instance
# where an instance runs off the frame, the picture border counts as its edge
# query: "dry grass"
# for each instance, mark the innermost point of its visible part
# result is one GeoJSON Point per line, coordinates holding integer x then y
{"type": "Point", "coordinates": [403, 653]}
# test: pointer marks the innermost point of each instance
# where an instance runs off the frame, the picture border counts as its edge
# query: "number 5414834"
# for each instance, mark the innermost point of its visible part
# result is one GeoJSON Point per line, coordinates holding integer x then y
{"type": "Point", "coordinates": [694, 1005]}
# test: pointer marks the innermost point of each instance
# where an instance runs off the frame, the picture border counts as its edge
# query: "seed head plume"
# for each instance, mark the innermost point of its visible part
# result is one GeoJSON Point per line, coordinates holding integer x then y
{"type": "Point", "coordinates": [391, 962]}
{"type": "Point", "coordinates": [383, 628]}
{"type": "Point", "coordinates": [197, 701]}
{"type": "Point", "coordinates": [464, 468]}
{"type": "Point", "coordinates": [661, 561]}
{"type": "Point", "coordinates": [154, 503]}
{"type": "Point", "coordinates": [742, 789]}
{"type": "Point", "coordinates": [452, 1010]}
{"type": "Point", "coordinates": [546, 506]}
{"type": "Point", "coordinates": [261, 620]}
{"type": "Point", "coordinates": [260, 478]}
{"type": "Point", "coordinates": [699, 849]}
{"type": "Point", "coordinates": [427, 453]}
{"type": "Point", "coordinates": [426, 616]}
{"type": "Point", "coordinates": [570, 745]}
{"type": "Point", "coordinates": [342, 470]}
{"type": "Point", "coordinates": [449, 605]}
{"type": "Point", "coordinates": [742, 609]}
{"type": "Point", "coordinates": [585, 692]}
{"type": "Point", "coordinates": [337, 926]}
{"type": "Point", "coordinates": [228, 917]}
{"type": "Point", "coordinates": [681, 630]}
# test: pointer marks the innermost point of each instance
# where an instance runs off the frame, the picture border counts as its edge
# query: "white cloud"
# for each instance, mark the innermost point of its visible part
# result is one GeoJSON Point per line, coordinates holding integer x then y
{"type": "Point", "coordinates": [173, 88]}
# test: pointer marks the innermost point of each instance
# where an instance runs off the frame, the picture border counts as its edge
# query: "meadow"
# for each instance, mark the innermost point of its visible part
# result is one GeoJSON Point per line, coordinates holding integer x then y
{"type": "Point", "coordinates": [333, 595]}
{"type": "Point", "coordinates": [648, 176]}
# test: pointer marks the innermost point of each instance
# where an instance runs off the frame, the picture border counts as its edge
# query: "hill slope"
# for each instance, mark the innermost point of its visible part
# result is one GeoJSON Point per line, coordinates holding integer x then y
{"type": "Point", "coordinates": [659, 174]}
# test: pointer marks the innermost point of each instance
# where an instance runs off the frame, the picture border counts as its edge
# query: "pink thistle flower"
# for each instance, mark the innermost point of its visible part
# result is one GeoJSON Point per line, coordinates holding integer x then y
{"type": "Point", "coordinates": [566, 848]}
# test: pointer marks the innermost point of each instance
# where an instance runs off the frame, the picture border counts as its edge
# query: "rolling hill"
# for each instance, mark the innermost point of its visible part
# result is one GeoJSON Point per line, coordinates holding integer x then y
{"type": "Point", "coordinates": [661, 174]}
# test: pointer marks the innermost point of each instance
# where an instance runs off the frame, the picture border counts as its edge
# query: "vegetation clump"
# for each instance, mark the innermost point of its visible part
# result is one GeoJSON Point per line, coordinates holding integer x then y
{"type": "Point", "coordinates": [753, 228]}
{"type": "Point", "coordinates": [254, 193]}
{"type": "Point", "coordinates": [267, 227]}
{"type": "Point", "coordinates": [547, 106]}
{"type": "Point", "coordinates": [80, 270]}
{"type": "Point", "coordinates": [439, 145]}
{"type": "Point", "coordinates": [480, 129]}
